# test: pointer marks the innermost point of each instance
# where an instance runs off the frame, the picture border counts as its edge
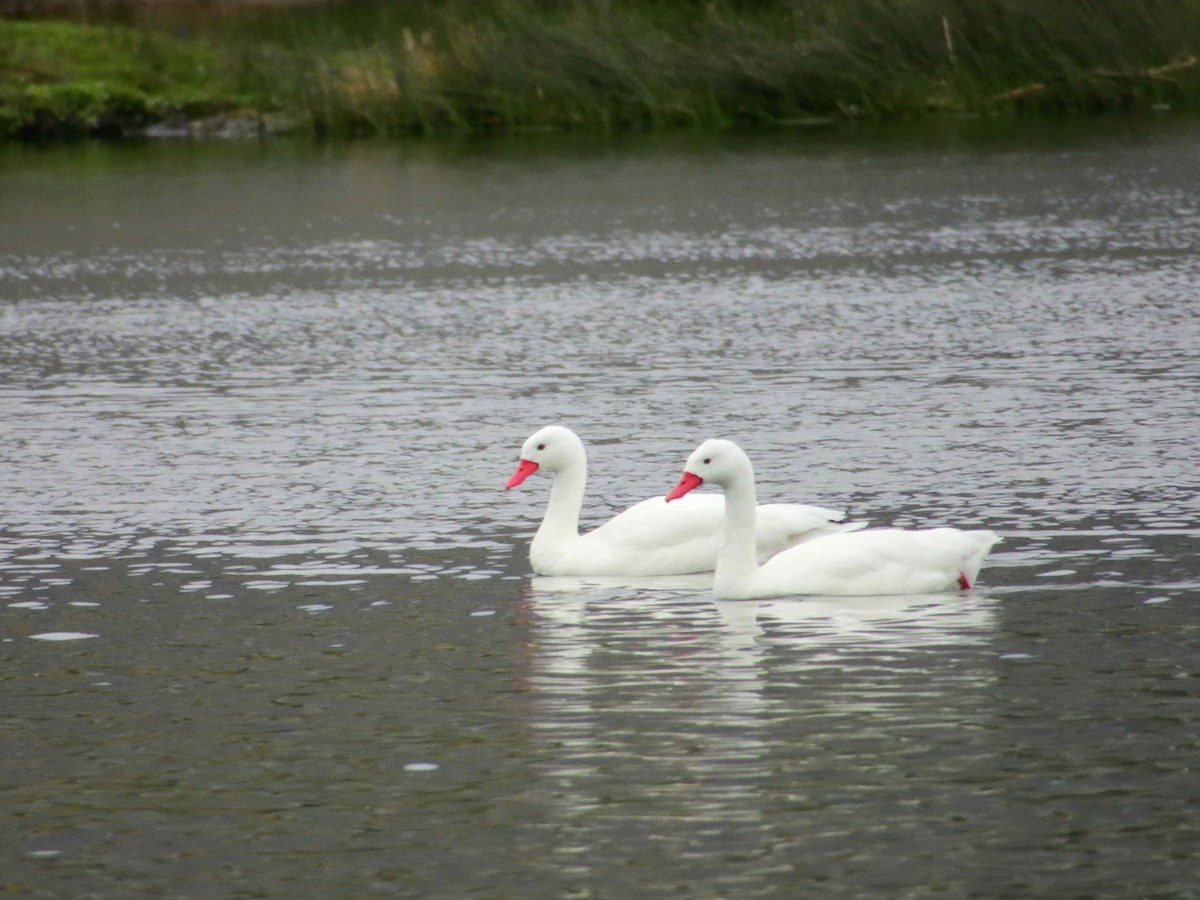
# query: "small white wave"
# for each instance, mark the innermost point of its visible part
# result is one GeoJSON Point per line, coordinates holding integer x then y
{"type": "Point", "coordinates": [62, 636]}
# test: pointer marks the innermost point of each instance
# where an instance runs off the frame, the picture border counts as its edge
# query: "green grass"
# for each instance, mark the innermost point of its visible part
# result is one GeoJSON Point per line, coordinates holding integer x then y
{"type": "Point", "coordinates": [62, 80]}
{"type": "Point", "coordinates": [459, 66]}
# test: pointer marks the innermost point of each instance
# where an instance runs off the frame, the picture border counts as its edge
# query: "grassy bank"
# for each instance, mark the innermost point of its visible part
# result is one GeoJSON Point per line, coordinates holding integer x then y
{"type": "Point", "coordinates": [401, 68]}
{"type": "Point", "coordinates": [60, 80]}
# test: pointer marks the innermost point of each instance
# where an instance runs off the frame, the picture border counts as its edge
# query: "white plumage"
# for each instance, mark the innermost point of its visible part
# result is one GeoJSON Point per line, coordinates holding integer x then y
{"type": "Point", "coordinates": [651, 537]}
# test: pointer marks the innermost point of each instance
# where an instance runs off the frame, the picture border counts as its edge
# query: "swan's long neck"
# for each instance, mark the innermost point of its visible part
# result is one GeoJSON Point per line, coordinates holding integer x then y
{"type": "Point", "coordinates": [566, 499]}
{"type": "Point", "coordinates": [737, 560]}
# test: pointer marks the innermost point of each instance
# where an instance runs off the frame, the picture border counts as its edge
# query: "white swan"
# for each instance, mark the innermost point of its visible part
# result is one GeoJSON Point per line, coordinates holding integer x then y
{"type": "Point", "coordinates": [651, 537]}
{"type": "Point", "coordinates": [875, 561]}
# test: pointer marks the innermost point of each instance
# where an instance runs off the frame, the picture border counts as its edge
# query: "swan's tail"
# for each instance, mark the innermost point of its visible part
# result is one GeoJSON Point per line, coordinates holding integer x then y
{"type": "Point", "coordinates": [969, 571]}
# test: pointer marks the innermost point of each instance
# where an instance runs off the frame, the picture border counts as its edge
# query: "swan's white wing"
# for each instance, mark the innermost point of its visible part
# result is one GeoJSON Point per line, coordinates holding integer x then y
{"type": "Point", "coordinates": [656, 537]}
{"type": "Point", "coordinates": [782, 525]}
{"type": "Point", "coordinates": [879, 561]}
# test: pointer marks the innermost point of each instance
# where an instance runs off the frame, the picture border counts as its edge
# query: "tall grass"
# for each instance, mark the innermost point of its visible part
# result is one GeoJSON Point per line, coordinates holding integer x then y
{"type": "Point", "coordinates": [614, 64]}
{"type": "Point", "coordinates": [457, 65]}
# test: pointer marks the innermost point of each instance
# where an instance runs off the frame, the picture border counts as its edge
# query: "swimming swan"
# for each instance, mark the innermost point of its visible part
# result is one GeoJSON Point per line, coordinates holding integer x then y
{"type": "Point", "coordinates": [874, 561]}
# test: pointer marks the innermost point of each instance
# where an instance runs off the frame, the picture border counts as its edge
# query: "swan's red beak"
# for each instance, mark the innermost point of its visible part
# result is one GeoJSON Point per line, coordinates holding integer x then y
{"type": "Point", "coordinates": [686, 483]}
{"type": "Point", "coordinates": [525, 468]}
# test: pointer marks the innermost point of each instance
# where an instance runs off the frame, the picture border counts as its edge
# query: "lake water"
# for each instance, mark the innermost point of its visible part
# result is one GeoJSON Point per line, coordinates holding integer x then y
{"type": "Point", "coordinates": [258, 403]}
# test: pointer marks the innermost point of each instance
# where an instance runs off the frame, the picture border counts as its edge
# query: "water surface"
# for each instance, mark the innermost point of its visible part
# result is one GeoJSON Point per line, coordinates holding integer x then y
{"type": "Point", "coordinates": [258, 404]}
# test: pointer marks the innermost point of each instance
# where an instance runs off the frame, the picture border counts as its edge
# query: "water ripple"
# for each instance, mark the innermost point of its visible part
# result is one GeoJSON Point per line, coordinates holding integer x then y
{"type": "Point", "coordinates": [260, 582]}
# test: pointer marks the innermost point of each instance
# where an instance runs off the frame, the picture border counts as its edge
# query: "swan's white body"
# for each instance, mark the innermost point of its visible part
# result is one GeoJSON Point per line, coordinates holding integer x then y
{"type": "Point", "coordinates": [875, 561]}
{"type": "Point", "coordinates": [652, 537]}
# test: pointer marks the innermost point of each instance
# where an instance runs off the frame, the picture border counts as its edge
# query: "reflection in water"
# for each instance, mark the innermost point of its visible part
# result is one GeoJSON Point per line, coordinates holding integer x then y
{"type": "Point", "coordinates": [770, 689]}
{"type": "Point", "coordinates": [656, 730]}
{"type": "Point", "coordinates": [841, 625]}
{"type": "Point", "coordinates": [619, 586]}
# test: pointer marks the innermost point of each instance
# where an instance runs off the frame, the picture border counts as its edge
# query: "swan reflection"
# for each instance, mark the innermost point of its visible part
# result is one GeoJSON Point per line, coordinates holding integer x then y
{"type": "Point", "coordinates": [568, 584]}
{"type": "Point", "coordinates": [659, 703]}
{"type": "Point", "coordinates": [823, 625]}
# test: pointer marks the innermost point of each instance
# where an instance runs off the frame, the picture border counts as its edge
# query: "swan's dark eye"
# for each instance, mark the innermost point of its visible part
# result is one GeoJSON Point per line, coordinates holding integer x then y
{"type": "Point", "coordinates": [707, 461]}
{"type": "Point", "coordinates": [541, 446]}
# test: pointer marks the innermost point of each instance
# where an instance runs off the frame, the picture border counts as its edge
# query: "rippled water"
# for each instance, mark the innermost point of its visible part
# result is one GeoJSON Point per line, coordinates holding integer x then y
{"type": "Point", "coordinates": [257, 405]}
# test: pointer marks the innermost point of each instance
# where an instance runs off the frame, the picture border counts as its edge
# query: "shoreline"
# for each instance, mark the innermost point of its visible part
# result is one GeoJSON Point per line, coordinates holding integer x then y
{"type": "Point", "coordinates": [602, 66]}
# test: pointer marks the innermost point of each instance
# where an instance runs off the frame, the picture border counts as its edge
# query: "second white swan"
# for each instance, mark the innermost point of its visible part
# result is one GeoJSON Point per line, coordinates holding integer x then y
{"type": "Point", "coordinates": [875, 561]}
